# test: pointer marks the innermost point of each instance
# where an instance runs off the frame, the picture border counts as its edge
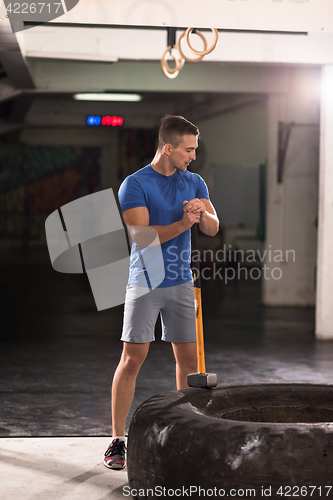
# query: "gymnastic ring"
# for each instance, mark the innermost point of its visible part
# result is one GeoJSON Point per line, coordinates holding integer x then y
{"type": "Point", "coordinates": [205, 51]}
{"type": "Point", "coordinates": [188, 59]}
{"type": "Point", "coordinates": [171, 72]}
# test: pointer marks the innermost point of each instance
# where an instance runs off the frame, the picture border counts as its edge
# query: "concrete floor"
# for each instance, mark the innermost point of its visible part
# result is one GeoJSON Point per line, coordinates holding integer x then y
{"type": "Point", "coordinates": [58, 355]}
{"type": "Point", "coordinates": [57, 468]}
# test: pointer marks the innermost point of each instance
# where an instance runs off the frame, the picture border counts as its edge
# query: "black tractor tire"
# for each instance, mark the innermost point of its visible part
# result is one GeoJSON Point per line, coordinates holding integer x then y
{"type": "Point", "coordinates": [238, 441]}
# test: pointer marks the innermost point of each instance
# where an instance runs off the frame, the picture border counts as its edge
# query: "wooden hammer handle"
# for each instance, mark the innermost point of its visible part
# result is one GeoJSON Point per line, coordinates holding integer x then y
{"type": "Point", "coordinates": [198, 312]}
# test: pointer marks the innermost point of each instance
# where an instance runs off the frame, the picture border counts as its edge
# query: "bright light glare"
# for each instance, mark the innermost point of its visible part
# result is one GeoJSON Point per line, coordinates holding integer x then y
{"type": "Point", "coordinates": [327, 88]}
{"type": "Point", "coordinates": [108, 97]}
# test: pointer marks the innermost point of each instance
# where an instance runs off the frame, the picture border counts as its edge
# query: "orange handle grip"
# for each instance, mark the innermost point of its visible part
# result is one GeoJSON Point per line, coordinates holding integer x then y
{"type": "Point", "coordinates": [199, 327]}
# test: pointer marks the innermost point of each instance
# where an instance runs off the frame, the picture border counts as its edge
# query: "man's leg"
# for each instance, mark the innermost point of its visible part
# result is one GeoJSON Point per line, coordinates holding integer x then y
{"type": "Point", "coordinates": [178, 327]}
{"type": "Point", "coordinates": [123, 384]}
{"type": "Point", "coordinates": [186, 361]}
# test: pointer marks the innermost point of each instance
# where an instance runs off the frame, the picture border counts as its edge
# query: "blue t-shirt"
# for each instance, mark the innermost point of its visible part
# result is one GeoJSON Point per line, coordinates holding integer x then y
{"type": "Point", "coordinates": [163, 196]}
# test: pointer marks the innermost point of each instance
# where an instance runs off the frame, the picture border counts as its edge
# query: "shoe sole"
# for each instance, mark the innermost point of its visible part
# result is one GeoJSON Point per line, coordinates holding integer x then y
{"type": "Point", "coordinates": [114, 466]}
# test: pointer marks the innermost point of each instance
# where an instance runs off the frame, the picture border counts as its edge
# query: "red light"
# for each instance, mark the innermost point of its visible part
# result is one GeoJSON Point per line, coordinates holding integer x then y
{"type": "Point", "coordinates": [106, 120]}
{"type": "Point", "coordinates": [112, 120]}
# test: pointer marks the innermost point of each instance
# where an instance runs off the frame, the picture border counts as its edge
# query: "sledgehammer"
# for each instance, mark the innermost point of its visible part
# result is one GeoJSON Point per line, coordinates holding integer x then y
{"type": "Point", "coordinates": [200, 379]}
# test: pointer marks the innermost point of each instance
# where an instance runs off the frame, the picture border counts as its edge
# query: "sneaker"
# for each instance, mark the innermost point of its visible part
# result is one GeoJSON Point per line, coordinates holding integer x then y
{"type": "Point", "coordinates": [114, 457]}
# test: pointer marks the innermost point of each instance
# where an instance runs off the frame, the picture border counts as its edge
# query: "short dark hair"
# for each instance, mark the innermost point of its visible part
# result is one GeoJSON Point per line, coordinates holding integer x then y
{"type": "Point", "coordinates": [173, 128]}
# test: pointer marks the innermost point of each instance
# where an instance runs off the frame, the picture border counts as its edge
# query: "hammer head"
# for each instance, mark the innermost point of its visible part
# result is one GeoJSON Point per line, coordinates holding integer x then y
{"type": "Point", "coordinates": [205, 380]}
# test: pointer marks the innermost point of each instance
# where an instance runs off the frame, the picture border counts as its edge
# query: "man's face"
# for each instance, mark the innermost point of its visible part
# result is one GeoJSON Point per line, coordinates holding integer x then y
{"type": "Point", "coordinates": [182, 156]}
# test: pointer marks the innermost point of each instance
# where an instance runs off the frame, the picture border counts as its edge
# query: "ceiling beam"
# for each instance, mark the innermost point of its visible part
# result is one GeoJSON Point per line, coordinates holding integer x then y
{"type": "Point", "coordinates": [148, 77]}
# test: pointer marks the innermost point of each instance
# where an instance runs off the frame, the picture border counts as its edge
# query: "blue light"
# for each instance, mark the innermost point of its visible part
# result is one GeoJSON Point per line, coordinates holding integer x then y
{"type": "Point", "coordinates": [93, 120]}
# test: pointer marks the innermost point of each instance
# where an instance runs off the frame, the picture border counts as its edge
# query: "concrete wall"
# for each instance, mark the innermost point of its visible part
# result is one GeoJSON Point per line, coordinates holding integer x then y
{"type": "Point", "coordinates": [237, 138]}
{"type": "Point", "coordinates": [292, 205]}
{"type": "Point", "coordinates": [324, 309]}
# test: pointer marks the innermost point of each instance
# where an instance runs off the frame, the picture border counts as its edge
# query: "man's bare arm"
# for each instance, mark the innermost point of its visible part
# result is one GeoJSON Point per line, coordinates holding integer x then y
{"type": "Point", "coordinates": [139, 216]}
{"type": "Point", "coordinates": [209, 222]}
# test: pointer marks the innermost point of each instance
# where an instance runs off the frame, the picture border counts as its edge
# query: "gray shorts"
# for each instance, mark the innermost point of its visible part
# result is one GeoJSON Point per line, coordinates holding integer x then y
{"type": "Point", "coordinates": [176, 305]}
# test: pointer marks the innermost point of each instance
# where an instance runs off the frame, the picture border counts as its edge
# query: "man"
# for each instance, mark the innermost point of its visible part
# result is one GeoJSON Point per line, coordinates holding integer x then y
{"type": "Point", "coordinates": [167, 197]}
